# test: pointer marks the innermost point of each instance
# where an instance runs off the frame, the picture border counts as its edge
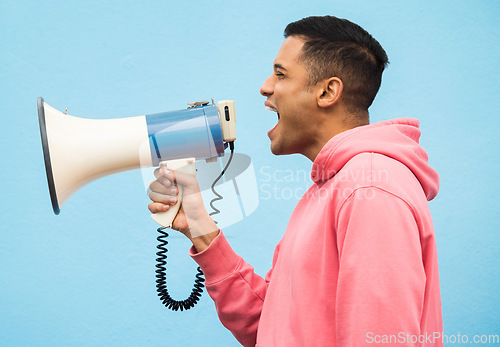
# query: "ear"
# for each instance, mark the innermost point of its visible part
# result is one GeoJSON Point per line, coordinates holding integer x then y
{"type": "Point", "coordinates": [329, 91]}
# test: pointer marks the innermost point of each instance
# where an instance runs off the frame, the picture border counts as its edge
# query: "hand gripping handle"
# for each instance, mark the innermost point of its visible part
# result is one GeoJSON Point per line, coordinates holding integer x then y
{"type": "Point", "coordinates": [187, 166]}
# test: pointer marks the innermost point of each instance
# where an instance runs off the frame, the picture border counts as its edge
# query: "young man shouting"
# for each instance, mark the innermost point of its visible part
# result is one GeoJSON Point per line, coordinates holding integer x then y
{"type": "Point", "coordinates": [357, 264]}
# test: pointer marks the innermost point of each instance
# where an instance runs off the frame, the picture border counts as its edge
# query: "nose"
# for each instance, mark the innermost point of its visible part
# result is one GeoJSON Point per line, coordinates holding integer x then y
{"type": "Point", "coordinates": [267, 88]}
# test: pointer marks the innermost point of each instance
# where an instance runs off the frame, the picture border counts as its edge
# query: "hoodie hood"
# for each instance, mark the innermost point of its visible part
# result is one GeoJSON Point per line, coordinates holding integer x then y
{"type": "Point", "coordinates": [396, 138]}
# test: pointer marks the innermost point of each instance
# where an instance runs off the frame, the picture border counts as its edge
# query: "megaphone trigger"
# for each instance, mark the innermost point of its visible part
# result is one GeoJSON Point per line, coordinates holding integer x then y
{"type": "Point", "coordinates": [187, 166]}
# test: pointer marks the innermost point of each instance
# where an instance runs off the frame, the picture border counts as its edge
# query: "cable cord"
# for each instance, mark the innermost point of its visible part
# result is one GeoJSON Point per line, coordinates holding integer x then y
{"type": "Point", "coordinates": [219, 197]}
{"type": "Point", "coordinates": [161, 266]}
{"type": "Point", "coordinates": [161, 279]}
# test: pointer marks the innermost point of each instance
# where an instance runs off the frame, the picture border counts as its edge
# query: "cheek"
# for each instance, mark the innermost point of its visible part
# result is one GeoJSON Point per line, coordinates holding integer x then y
{"type": "Point", "coordinates": [279, 90]}
{"type": "Point", "coordinates": [286, 97]}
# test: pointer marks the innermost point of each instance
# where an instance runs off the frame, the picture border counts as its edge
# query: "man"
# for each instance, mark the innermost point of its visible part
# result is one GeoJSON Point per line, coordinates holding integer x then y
{"type": "Point", "coordinates": [357, 264]}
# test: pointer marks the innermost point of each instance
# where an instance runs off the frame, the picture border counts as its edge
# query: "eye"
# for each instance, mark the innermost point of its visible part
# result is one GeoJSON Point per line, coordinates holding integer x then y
{"type": "Point", "coordinates": [279, 75]}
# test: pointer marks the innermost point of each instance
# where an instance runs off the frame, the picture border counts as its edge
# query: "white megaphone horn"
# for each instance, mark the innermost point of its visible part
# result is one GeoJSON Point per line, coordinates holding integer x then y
{"type": "Point", "coordinates": [77, 150]}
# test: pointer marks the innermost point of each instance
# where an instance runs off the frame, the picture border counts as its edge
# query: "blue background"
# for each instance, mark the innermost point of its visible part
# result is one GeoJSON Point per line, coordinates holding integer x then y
{"type": "Point", "coordinates": [86, 277]}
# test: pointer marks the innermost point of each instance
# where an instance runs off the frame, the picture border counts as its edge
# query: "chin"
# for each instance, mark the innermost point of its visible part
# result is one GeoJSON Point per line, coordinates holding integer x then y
{"type": "Point", "coordinates": [275, 149]}
{"type": "Point", "coordinates": [280, 150]}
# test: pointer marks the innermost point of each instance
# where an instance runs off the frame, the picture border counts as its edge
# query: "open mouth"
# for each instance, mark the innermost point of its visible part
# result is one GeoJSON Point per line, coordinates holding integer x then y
{"type": "Point", "coordinates": [273, 110]}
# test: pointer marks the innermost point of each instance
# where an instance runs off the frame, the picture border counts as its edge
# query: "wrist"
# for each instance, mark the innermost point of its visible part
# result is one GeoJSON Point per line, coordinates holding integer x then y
{"type": "Point", "coordinates": [202, 232]}
{"type": "Point", "coordinates": [201, 243]}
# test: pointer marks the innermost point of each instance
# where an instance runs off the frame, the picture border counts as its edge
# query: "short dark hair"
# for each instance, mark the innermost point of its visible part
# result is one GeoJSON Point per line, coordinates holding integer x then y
{"type": "Point", "coordinates": [340, 48]}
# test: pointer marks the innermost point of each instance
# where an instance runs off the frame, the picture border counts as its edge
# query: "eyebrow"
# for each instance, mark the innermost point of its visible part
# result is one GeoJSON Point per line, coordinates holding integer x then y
{"type": "Point", "coordinates": [279, 66]}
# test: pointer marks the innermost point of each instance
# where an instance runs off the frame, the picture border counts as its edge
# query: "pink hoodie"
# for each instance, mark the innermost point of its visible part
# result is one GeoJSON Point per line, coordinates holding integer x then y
{"type": "Point", "coordinates": [357, 264]}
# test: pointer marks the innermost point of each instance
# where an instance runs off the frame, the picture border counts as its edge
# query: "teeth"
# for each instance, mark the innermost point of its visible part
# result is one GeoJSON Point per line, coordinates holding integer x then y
{"type": "Point", "coordinates": [271, 109]}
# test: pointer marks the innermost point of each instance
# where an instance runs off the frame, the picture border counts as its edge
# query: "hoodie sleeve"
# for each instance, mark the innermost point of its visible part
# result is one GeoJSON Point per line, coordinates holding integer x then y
{"type": "Point", "coordinates": [237, 291]}
{"type": "Point", "coordinates": [381, 280]}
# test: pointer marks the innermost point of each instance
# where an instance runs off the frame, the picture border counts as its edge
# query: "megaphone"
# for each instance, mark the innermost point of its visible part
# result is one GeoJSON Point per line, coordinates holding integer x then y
{"type": "Point", "coordinates": [78, 150]}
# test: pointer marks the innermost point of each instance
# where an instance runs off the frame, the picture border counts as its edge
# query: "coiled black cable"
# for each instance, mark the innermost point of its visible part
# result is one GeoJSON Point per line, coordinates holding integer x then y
{"type": "Point", "coordinates": [161, 269]}
{"type": "Point", "coordinates": [219, 197]}
{"type": "Point", "coordinates": [161, 279]}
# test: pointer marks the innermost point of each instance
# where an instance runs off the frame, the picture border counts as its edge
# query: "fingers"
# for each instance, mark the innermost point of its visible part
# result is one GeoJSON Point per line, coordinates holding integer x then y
{"type": "Point", "coordinates": [156, 207]}
{"type": "Point", "coordinates": [183, 178]}
{"type": "Point", "coordinates": [162, 198]}
{"type": "Point", "coordinates": [161, 176]}
{"type": "Point", "coordinates": [160, 188]}
{"type": "Point", "coordinates": [162, 192]}
{"type": "Point", "coordinates": [168, 176]}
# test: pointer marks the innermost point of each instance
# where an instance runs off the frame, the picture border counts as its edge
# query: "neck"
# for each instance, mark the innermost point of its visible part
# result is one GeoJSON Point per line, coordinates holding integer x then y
{"type": "Point", "coordinates": [333, 124]}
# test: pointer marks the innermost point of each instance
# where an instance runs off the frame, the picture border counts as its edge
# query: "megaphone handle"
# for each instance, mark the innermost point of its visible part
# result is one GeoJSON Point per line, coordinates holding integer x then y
{"type": "Point", "coordinates": [187, 166]}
